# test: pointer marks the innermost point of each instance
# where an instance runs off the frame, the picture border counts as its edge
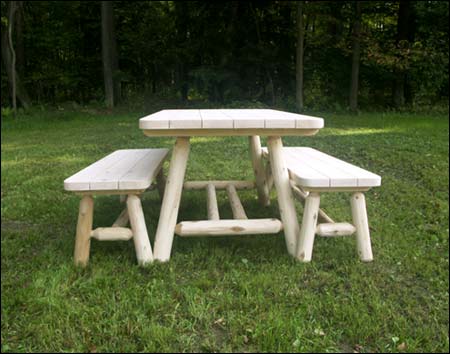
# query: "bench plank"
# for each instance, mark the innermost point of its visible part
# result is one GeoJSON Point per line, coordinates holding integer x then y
{"type": "Point", "coordinates": [80, 181]}
{"type": "Point", "coordinates": [364, 178]}
{"type": "Point", "coordinates": [309, 167]}
{"type": "Point", "coordinates": [121, 170]}
{"type": "Point", "coordinates": [141, 175]}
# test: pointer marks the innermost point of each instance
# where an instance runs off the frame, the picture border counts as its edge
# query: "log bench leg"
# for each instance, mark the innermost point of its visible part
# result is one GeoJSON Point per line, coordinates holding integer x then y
{"type": "Point", "coordinates": [284, 193]}
{"type": "Point", "coordinates": [258, 169]}
{"type": "Point", "coordinates": [84, 228]}
{"type": "Point", "coordinates": [308, 229]}
{"type": "Point", "coordinates": [140, 236]}
{"type": "Point", "coordinates": [171, 201]}
{"type": "Point", "coordinates": [359, 214]}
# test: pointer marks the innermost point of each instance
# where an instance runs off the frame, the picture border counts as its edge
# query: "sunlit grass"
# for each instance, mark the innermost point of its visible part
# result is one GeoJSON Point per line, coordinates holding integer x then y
{"type": "Point", "coordinates": [225, 294]}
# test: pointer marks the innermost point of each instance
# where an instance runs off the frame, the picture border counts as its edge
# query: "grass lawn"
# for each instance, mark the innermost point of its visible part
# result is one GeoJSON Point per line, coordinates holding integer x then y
{"type": "Point", "coordinates": [225, 294]}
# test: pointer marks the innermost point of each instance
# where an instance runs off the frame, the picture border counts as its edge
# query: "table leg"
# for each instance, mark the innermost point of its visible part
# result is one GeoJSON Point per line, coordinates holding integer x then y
{"type": "Point", "coordinates": [258, 169]}
{"type": "Point", "coordinates": [171, 201]}
{"type": "Point", "coordinates": [284, 193]}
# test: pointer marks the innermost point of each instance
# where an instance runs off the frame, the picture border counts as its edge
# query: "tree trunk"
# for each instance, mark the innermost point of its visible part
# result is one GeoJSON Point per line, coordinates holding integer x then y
{"type": "Point", "coordinates": [264, 68]}
{"type": "Point", "coordinates": [354, 86]}
{"type": "Point", "coordinates": [109, 55]}
{"type": "Point", "coordinates": [300, 55]}
{"type": "Point", "coordinates": [12, 9]}
{"type": "Point", "coordinates": [20, 52]}
{"type": "Point", "coordinates": [403, 22]}
{"type": "Point", "coordinates": [17, 90]}
{"type": "Point", "coordinates": [181, 22]}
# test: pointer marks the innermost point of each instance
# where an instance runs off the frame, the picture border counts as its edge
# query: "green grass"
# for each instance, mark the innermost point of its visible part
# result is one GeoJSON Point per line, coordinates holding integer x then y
{"type": "Point", "coordinates": [225, 294]}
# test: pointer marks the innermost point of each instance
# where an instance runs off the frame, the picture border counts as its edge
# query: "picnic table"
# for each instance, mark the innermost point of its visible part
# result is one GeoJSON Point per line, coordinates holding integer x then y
{"type": "Point", "coordinates": [185, 123]}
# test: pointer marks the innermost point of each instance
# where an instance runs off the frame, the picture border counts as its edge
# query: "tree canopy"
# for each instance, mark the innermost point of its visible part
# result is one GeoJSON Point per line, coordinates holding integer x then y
{"type": "Point", "coordinates": [227, 51]}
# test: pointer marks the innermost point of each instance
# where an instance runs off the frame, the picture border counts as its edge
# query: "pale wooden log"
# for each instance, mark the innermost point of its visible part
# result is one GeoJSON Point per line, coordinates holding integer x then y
{"type": "Point", "coordinates": [284, 192]}
{"type": "Point", "coordinates": [228, 227]}
{"type": "Point", "coordinates": [140, 235]}
{"type": "Point", "coordinates": [335, 229]}
{"type": "Point", "coordinates": [213, 209]}
{"type": "Point", "coordinates": [269, 176]}
{"type": "Point", "coordinates": [161, 183]}
{"type": "Point", "coordinates": [359, 214]}
{"type": "Point", "coordinates": [171, 201]}
{"type": "Point", "coordinates": [218, 184]}
{"type": "Point", "coordinates": [301, 196]}
{"type": "Point", "coordinates": [112, 233]}
{"type": "Point", "coordinates": [308, 229]}
{"type": "Point", "coordinates": [84, 227]}
{"type": "Point", "coordinates": [235, 203]}
{"type": "Point", "coordinates": [258, 169]}
{"type": "Point", "coordinates": [122, 219]}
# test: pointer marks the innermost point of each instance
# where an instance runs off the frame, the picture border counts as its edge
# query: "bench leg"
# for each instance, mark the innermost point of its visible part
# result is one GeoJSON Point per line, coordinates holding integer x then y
{"type": "Point", "coordinates": [140, 235]}
{"type": "Point", "coordinates": [258, 169]}
{"type": "Point", "coordinates": [84, 228]}
{"type": "Point", "coordinates": [171, 201]}
{"type": "Point", "coordinates": [284, 193]}
{"type": "Point", "coordinates": [359, 214]}
{"type": "Point", "coordinates": [308, 229]}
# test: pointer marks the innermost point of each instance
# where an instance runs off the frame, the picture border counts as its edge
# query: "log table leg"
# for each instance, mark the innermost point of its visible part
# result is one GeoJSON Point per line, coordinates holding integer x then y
{"type": "Point", "coordinates": [258, 169]}
{"type": "Point", "coordinates": [284, 193]}
{"type": "Point", "coordinates": [171, 201]}
{"type": "Point", "coordinates": [84, 228]}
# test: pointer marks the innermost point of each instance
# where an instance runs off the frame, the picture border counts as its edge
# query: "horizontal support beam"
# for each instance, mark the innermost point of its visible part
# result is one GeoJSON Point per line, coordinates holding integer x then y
{"type": "Point", "coordinates": [219, 184]}
{"type": "Point", "coordinates": [122, 220]}
{"type": "Point", "coordinates": [228, 227]}
{"type": "Point", "coordinates": [111, 192]}
{"type": "Point", "coordinates": [335, 229]}
{"type": "Point", "coordinates": [235, 203]}
{"type": "Point", "coordinates": [112, 234]}
{"type": "Point", "coordinates": [230, 132]}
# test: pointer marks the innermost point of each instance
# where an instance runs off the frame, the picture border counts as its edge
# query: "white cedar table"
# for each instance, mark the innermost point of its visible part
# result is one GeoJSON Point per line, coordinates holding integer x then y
{"type": "Point", "coordinates": [184, 123]}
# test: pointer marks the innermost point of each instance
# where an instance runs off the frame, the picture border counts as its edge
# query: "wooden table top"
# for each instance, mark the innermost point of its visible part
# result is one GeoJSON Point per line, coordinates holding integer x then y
{"type": "Point", "coordinates": [223, 122]}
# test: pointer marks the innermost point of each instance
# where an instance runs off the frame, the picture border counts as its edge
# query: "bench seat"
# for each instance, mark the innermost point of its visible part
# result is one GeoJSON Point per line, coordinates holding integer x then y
{"type": "Point", "coordinates": [311, 173]}
{"type": "Point", "coordinates": [122, 170]}
{"type": "Point", "coordinates": [310, 168]}
{"type": "Point", "coordinates": [127, 173]}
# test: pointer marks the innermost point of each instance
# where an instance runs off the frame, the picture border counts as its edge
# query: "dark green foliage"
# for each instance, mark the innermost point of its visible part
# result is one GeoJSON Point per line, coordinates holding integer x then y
{"type": "Point", "coordinates": [223, 51]}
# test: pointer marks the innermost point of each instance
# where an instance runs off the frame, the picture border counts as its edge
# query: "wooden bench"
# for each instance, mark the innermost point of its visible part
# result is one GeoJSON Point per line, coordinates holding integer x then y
{"type": "Point", "coordinates": [312, 172]}
{"type": "Point", "coordinates": [127, 173]}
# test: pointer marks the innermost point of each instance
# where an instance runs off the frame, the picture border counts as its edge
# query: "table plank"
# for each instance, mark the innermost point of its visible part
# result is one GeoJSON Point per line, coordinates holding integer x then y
{"type": "Point", "coordinates": [215, 119]}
